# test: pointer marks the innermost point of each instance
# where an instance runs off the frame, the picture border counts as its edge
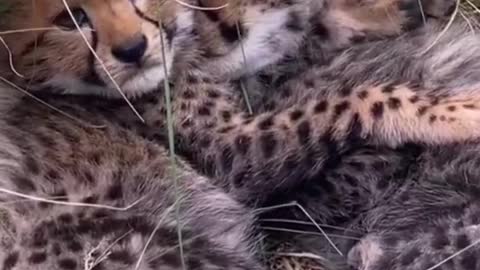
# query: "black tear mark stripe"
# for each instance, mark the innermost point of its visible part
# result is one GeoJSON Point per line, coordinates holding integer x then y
{"type": "Point", "coordinates": [145, 17]}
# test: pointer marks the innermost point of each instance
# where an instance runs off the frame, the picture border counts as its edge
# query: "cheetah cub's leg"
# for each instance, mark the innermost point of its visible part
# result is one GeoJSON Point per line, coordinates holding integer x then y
{"type": "Point", "coordinates": [256, 155]}
{"type": "Point", "coordinates": [394, 114]}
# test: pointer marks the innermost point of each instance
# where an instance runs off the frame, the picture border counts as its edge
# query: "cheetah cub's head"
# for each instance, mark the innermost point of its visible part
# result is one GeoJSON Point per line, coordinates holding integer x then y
{"type": "Point", "coordinates": [68, 43]}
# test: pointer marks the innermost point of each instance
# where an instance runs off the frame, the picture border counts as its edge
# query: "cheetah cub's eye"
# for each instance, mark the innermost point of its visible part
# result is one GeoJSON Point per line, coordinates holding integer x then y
{"type": "Point", "coordinates": [64, 20]}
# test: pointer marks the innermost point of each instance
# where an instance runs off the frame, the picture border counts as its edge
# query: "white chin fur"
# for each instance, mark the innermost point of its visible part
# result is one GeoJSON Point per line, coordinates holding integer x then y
{"type": "Point", "coordinates": [144, 82]}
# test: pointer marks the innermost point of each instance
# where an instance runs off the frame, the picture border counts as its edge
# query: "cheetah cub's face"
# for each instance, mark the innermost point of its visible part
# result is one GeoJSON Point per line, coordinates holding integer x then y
{"type": "Point", "coordinates": [126, 36]}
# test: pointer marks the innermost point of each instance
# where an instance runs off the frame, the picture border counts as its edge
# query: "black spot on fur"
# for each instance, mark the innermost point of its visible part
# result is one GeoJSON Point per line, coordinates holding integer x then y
{"type": "Point", "coordinates": [309, 83]}
{"type": "Point", "coordinates": [440, 239]}
{"type": "Point", "coordinates": [213, 94]}
{"type": "Point", "coordinates": [189, 94]}
{"type": "Point", "coordinates": [204, 111]}
{"type": "Point", "coordinates": [266, 123]}
{"type": "Point", "coordinates": [23, 184]}
{"type": "Point", "coordinates": [358, 166]}
{"type": "Point", "coordinates": [67, 264]}
{"type": "Point", "coordinates": [377, 110]}
{"type": "Point", "coordinates": [321, 107]}
{"type": "Point", "coordinates": [409, 257]}
{"type": "Point", "coordinates": [469, 106]}
{"type": "Point", "coordinates": [32, 165]}
{"type": "Point", "coordinates": [239, 179]}
{"type": "Point", "coordinates": [123, 256]}
{"type": "Point", "coordinates": [295, 115]}
{"type": "Point", "coordinates": [242, 144]}
{"type": "Point", "coordinates": [363, 94]}
{"type": "Point", "coordinates": [229, 32]}
{"type": "Point", "coordinates": [115, 191]}
{"type": "Point", "coordinates": [462, 241]}
{"type": "Point", "coordinates": [226, 159]}
{"type": "Point", "coordinates": [414, 99]}
{"type": "Point", "coordinates": [451, 108]}
{"type": "Point", "coordinates": [65, 218]}
{"type": "Point", "coordinates": [345, 91]}
{"type": "Point", "coordinates": [37, 257]}
{"type": "Point", "coordinates": [320, 30]}
{"type": "Point", "coordinates": [39, 237]}
{"type": "Point", "coordinates": [394, 103]}
{"type": "Point", "coordinates": [10, 261]}
{"type": "Point", "coordinates": [205, 141]}
{"type": "Point", "coordinates": [303, 132]}
{"type": "Point", "coordinates": [354, 129]}
{"type": "Point", "coordinates": [468, 261]}
{"type": "Point", "coordinates": [191, 79]}
{"type": "Point", "coordinates": [226, 115]}
{"type": "Point", "coordinates": [294, 22]}
{"type": "Point", "coordinates": [382, 184]}
{"type": "Point", "coordinates": [432, 118]}
{"type": "Point", "coordinates": [268, 144]}
{"type": "Point", "coordinates": [340, 108]}
{"type": "Point", "coordinates": [388, 89]}
{"type": "Point", "coordinates": [422, 110]}
{"type": "Point", "coordinates": [56, 249]}
{"type": "Point", "coordinates": [74, 246]}
{"type": "Point", "coordinates": [225, 130]}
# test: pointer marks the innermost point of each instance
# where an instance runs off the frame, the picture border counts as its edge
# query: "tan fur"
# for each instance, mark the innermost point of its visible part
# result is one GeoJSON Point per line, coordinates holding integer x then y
{"type": "Point", "coordinates": [43, 55]}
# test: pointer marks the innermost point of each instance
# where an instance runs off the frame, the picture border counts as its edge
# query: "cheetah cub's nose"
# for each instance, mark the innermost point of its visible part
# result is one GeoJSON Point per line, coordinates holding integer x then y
{"type": "Point", "coordinates": [131, 50]}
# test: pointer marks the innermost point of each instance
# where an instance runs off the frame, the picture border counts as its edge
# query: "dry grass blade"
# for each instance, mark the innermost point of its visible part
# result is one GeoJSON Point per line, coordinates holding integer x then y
{"type": "Point", "coordinates": [455, 255]}
{"type": "Point", "coordinates": [10, 58]}
{"type": "Point", "coordinates": [150, 238]}
{"type": "Point", "coordinates": [300, 222]}
{"type": "Point", "coordinates": [117, 87]}
{"type": "Point", "coordinates": [171, 144]}
{"type": "Point", "coordinates": [296, 204]}
{"type": "Point", "coordinates": [74, 204]}
{"type": "Point", "coordinates": [90, 263]}
{"type": "Point", "coordinates": [26, 30]}
{"type": "Point", "coordinates": [201, 8]}
{"type": "Point", "coordinates": [450, 21]}
{"type": "Point", "coordinates": [244, 55]}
